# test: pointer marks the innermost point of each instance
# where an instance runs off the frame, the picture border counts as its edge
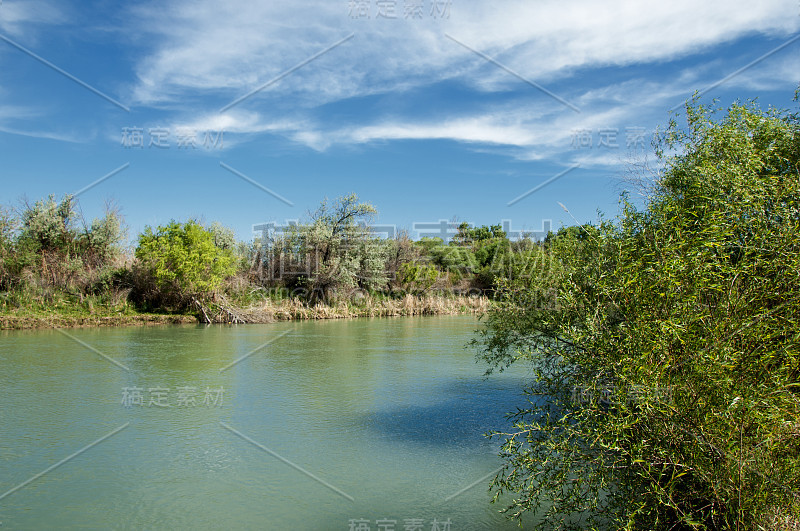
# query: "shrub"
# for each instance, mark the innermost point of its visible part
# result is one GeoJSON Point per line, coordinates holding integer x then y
{"type": "Point", "coordinates": [417, 278]}
{"type": "Point", "coordinates": [666, 377]}
{"type": "Point", "coordinates": [179, 262]}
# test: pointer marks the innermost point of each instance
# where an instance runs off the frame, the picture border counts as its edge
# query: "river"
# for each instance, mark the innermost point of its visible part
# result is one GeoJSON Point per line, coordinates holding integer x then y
{"type": "Point", "coordinates": [291, 425]}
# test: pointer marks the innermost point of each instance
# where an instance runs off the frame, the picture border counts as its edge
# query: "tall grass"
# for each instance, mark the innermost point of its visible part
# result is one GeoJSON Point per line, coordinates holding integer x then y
{"type": "Point", "coordinates": [369, 305]}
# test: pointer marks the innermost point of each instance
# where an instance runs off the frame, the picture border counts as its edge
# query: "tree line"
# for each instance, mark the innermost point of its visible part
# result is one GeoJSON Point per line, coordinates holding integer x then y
{"type": "Point", "coordinates": [50, 255]}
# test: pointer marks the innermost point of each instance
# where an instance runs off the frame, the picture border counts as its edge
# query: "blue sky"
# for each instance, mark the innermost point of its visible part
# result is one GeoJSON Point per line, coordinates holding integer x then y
{"type": "Point", "coordinates": [428, 109]}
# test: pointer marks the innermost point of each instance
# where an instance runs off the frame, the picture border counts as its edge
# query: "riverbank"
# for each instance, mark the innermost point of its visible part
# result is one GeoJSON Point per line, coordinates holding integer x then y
{"type": "Point", "coordinates": [24, 321]}
{"type": "Point", "coordinates": [78, 316]}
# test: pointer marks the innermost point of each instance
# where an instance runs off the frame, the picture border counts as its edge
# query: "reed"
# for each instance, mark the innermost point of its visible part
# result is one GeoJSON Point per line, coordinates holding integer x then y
{"type": "Point", "coordinates": [270, 310]}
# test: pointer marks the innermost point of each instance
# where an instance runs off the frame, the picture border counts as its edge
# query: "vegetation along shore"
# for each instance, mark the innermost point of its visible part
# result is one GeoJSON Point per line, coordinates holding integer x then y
{"type": "Point", "coordinates": [58, 270]}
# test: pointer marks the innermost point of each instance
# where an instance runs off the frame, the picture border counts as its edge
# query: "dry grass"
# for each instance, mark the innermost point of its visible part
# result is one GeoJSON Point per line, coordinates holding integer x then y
{"type": "Point", "coordinates": [290, 309]}
{"type": "Point", "coordinates": [778, 520]}
{"type": "Point", "coordinates": [68, 314]}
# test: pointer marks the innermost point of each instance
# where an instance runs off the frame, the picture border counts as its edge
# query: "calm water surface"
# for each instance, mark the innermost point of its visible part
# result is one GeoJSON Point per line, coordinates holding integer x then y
{"type": "Point", "coordinates": [332, 421]}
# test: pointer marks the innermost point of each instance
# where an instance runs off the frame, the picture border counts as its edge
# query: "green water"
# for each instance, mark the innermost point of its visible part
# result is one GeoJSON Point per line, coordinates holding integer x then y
{"type": "Point", "coordinates": [332, 421]}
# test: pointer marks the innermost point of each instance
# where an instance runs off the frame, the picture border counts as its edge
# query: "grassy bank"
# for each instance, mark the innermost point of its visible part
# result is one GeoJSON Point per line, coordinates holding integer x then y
{"type": "Point", "coordinates": [66, 313]}
{"type": "Point", "coordinates": [20, 321]}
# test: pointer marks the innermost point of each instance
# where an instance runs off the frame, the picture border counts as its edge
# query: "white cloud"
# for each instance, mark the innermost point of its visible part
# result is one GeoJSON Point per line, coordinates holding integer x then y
{"type": "Point", "coordinates": [231, 47]}
{"type": "Point", "coordinates": [483, 129]}
{"type": "Point", "coordinates": [527, 133]}
{"type": "Point", "coordinates": [16, 112]}
{"type": "Point", "coordinates": [236, 122]}
{"type": "Point", "coordinates": [49, 135]}
{"type": "Point", "coordinates": [205, 54]}
{"type": "Point", "coordinates": [16, 16]}
{"type": "Point", "coordinates": [12, 116]}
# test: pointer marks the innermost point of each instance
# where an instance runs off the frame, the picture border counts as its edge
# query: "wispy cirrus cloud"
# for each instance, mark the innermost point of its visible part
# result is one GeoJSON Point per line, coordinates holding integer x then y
{"type": "Point", "coordinates": [17, 120]}
{"type": "Point", "coordinates": [229, 47]}
{"type": "Point", "coordinates": [204, 53]}
{"type": "Point", "coordinates": [527, 131]}
{"type": "Point", "coordinates": [18, 16]}
{"type": "Point", "coordinates": [50, 135]}
{"type": "Point", "coordinates": [522, 129]}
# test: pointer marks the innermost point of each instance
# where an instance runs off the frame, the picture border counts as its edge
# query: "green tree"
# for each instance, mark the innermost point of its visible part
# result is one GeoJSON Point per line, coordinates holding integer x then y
{"type": "Point", "coordinates": [181, 262]}
{"type": "Point", "coordinates": [468, 235]}
{"type": "Point", "coordinates": [417, 278]}
{"type": "Point", "coordinates": [483, 252]}
{"type": "Point", "coordinates": [49, 226]}
{"type": "Point", "coordinates": [456, 260]}
{"type": "Point", "coordinates": [494, 257]}
{"type": "Point", "coordinates": [61, 249]}
{"type": "Point", "coordinates": [102, 239]}
{"type": "Point", "coordinates": [338, 245]}
{"type": "Point", "coordinates": [223, 236]}
{"type": "Point", "coordinates": [666, 377]}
